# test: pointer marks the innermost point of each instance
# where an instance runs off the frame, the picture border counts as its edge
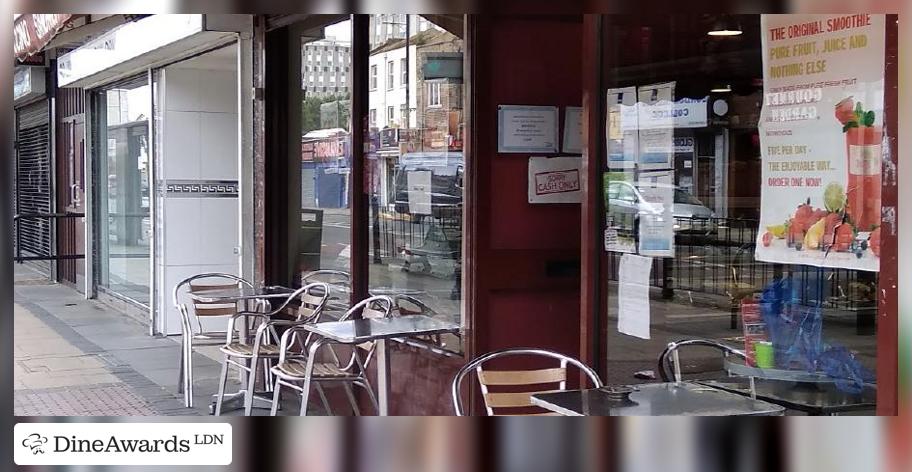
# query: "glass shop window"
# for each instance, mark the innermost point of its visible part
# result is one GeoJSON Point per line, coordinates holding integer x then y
{"type": "Point", "coordinates": [742, 194]}
{"type": "Point", "coordinates": [415, 173]}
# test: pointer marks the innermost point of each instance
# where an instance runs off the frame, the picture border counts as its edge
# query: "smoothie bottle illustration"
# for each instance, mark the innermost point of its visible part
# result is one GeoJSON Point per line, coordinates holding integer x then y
{"type": "Point", "coordinates": [864, 152]}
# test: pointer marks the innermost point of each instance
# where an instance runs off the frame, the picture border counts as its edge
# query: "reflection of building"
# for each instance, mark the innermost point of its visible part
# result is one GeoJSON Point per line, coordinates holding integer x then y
{"type": "Point", "coordinates": [384, 27]}
{"type": "Point", "coordinates": [387, 78]}
{"type": "Point", "coordinates": [424, 116]}
{"type": "Point", "coordinates": [440, 86]}
{"type": "Point", "coordinates": [325, 168]}
{"type": "Point", "coordinates": [325, 67]}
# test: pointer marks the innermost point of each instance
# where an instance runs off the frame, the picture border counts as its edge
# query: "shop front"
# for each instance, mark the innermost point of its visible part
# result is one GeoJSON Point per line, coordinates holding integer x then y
{"type": "Point", "coordinates": [597, 185]}
{"type": "Point", "coordinates": [164, 166]}
{"type": "Point", "coordinates": [33, 230]}
{"type": "Point", "coordinates": [708, 177]}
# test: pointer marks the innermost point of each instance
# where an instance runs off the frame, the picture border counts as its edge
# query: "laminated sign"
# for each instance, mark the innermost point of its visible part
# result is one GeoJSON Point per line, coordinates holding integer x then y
{"type": "Point", "coordinates": [554, 180]}
{"type": "Point", "coordinates": [822, 140]}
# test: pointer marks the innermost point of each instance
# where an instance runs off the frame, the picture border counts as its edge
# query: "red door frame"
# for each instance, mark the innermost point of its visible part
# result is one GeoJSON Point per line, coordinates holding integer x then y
{"type": "Point", "coordinates": [888, 304]}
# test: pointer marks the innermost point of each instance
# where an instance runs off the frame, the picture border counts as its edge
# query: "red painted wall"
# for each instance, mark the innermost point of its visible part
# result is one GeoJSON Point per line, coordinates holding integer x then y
{"type": "Point", "coordinates": [522, 60]}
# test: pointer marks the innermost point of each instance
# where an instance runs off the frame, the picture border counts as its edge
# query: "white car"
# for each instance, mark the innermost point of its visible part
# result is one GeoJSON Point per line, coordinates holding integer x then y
{"type": "Point", "coordinates": [690, 215]}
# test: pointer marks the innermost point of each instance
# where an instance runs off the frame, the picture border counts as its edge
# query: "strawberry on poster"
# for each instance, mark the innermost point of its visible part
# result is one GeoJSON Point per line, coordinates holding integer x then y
{"type": "Point", "coordinates": [822, 139]}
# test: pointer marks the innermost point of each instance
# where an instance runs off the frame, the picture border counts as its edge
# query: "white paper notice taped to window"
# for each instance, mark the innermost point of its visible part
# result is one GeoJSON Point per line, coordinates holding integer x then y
{"type": "Point", "coordinates": [633, 295]}
{"type": "Point", "coordinates": [419, 192]}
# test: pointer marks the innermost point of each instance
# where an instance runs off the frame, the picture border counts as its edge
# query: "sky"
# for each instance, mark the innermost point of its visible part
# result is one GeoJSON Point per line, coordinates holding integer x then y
{"type": "Point", "coordinates": [341, 30]}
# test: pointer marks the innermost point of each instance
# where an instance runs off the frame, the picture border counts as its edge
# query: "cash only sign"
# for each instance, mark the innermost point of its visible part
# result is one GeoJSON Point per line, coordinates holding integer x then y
{"type": "Point", "coordinates": [822, 140]}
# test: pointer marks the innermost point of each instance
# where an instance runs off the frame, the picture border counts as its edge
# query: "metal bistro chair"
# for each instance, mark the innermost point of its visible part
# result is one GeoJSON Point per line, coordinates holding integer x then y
{"type": "Point", "coordinates": [404, 305]}
{"type": "Point", "coordinates": [263, 347]}
{"type": "Point", "coordinates": [332, 277]}
{"type": "Point", "coordinates": [517, 378]}
{"type": "Point", "coordinates": [670, 362]}
{"type": "Point", "coordinates": [340, 283]}
{"type": "Point", "coordinates": [190, 317]}
{"type": "Point", "coordinates": [293, 370]}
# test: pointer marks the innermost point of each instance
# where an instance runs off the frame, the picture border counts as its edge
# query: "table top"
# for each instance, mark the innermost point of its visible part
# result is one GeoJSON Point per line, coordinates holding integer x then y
{"type": "Point", "coordinates": [393, 291]}
{"type": "Point", "coordinates": [656, 399]}
{"type": "Point", "coordinates": [814, 398]}
{"type": "Point", "coordinates": [236, 294]}
{"type": "Point", "coordinates": [359, 331]}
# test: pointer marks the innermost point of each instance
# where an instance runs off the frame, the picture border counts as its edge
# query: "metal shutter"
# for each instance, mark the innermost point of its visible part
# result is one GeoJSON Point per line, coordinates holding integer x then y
{"type": "Point", "coordinates": [33, 181]}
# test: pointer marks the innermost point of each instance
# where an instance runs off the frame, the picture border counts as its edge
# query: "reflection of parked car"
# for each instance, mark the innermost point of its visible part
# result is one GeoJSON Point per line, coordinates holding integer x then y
{"type": "Point", "coordinates": [690, 215]}
{"type": "Point", "coordinates": [446, 170]}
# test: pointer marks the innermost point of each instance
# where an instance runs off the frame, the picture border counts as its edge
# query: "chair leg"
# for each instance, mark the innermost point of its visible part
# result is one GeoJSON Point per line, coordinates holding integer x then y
{"type": "Point", "coordinates": [351, 398]}
{"type": "Point", "coordinates": [305, 394]}
{"type": "Point", "coordinates": [267, 374]}
{"type": "Point", "coordinates": [223, 379]}
{"type": "Point", "coordinates": [275, 398]}
{"type": "Point", "coordinates": [188, 373]}
{"type": "Point", "coordinates": [323, 399]}
{"type": "Point", "coordinates": [370, 393]}
{"type": "Point", "coordinates": [251, 385]}
{"type": "Point", "coordinates": [180, 371]}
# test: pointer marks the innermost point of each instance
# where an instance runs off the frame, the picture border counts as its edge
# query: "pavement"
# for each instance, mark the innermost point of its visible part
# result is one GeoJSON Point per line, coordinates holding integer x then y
{"type": "Point", "coordinates": [78, 357]}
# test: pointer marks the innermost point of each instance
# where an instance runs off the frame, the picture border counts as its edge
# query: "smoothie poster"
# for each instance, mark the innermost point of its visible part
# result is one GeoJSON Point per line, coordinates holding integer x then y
{"type": "Point", "coordinates": [822, 140]}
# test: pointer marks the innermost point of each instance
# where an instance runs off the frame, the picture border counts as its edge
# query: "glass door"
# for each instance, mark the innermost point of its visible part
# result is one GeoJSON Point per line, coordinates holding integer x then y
{"type": "Point", "coordinates": [123, 227]}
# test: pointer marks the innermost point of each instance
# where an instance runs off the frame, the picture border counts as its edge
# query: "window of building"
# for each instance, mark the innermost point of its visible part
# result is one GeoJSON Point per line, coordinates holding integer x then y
{"type": "Point", "coordinates": [372, 117]}
{"type": "Point", "coordinates": [433, 94]}
{"type": "Point", "coordinates": [390, 116]}
{"type": "Point", "coordinates": [403, 71]}
{"type": "Point", "coordinates": [390, 75]}
{"type": "Point", "coordinates": [373, 77]}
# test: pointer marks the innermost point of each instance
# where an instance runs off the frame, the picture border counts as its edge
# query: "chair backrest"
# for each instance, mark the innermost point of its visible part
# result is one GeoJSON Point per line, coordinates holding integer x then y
{"type": "Point", "coordinates": [336, 278]}
{"type": "Point", "coordinates": [669, 361]}
{"type": "Point", "coordinates": [516, 380]}
{"type": "Point", "coordinates": [202, 283]}
{"type": "Point", "coordinates": [312, 299]}
{"type": "Point", "coordinates": [409, 305]}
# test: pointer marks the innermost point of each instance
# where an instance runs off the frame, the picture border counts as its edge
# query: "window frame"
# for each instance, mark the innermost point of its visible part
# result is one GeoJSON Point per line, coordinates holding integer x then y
{"type": "Point", "coordinates": [403, 72]}
{"type": "Point", "coordinates": [431, 86]}
{"type": "Point", "coordinates": [390, 75]}
{"type": "Point", "coordinates": [372, 77]}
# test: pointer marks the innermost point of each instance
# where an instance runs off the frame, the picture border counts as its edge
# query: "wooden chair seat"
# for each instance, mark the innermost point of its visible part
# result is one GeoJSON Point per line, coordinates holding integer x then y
{"type": "Point", "coordinates": [246, 350]}
{"type": "Point", "coordinates": [296, 369]}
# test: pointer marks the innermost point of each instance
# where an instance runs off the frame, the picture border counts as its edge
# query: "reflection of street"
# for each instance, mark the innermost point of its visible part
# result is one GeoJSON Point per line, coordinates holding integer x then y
{"type": "Point", "coordinates": [441, 294]}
